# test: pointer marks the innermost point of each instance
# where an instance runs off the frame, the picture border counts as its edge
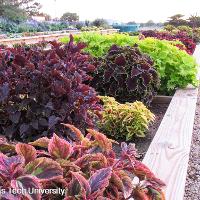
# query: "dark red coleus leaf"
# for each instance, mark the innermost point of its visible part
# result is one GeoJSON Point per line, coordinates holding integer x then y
{"type": "Point", "coordinates": [135, 72]}
{"type": "Point", "coordinates": [132, 84]}
{"type": "Point", "coordinates": [100, 179]}
{"type": "Point", "coordinates": [120, 60]}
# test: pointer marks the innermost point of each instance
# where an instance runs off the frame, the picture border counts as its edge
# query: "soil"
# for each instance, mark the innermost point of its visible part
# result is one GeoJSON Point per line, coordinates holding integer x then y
{"type": "Point", "coordinates": [192, 187]}
{"type": "Point", "coordinates": [142, 144]}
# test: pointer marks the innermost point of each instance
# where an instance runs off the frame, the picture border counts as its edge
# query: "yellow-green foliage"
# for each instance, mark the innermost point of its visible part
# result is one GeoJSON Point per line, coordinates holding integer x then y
{"type": "Point", "coordinates": [124, 120]}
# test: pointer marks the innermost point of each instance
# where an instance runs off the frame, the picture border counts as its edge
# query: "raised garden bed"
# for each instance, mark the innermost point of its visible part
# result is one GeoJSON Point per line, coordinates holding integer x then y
{"type": "Point", "coordinates": [168, 138]}
{"type": "Point", "coordinates": [47, 37]}
{"type": "Point", "coordinates": [168, 154]}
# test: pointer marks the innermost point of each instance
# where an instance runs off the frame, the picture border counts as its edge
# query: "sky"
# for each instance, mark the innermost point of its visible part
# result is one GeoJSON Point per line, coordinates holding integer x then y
{"type": "Point", "coordinates": [122, 10]}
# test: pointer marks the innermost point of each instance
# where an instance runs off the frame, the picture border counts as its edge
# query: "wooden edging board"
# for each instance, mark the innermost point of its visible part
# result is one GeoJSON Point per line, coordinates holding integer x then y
{"type": "Point", "coordinates": [168, 153]}
{"type": "Point", "coordinates": [160, 99]}
{"type": "Point", "coordinates": [40, 38]}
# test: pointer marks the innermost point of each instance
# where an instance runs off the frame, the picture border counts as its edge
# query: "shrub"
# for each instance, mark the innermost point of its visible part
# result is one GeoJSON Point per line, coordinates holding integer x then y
{"type": "Point", "coordinates": [91, 28]}
{"type": "Point", "coordinates": [177, 69]}
{"type": "Point", "coordinates": [98, 45]}
{"type": "Point", "coordinates": [40, 88]}
{"type": "Point", "coordinates": [128, 120]}
{"type": "Point", "coordinates": [87, 167]}
{"type": "Point", "coordinates": [169, 27]}
{"type": "Point", "coordinates": [126, 74]}
{"type": "Point", "coordinates": [182, 36]}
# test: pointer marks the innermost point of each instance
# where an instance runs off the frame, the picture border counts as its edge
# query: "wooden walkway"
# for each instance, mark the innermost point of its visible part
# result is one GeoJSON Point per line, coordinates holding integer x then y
{"type": "Point", "coordinates": [168, 154]}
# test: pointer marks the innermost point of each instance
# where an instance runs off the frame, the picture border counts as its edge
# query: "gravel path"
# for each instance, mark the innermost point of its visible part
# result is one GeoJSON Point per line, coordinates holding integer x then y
{"type": "Point", "coordinates": [192, 187]}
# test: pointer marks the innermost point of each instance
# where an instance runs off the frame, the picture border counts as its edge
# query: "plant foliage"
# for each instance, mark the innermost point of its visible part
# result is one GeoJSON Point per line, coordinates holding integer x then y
{"type": "Point", "coordinates": [41, 88]}
{"type": "Point", "coordinates": [126, 74]}
{"type": "Point", "coordinates": [98, 45]}
{"type": "Point", "coordinates": [128, 120]}
{"type": "Point", "coordinates": [181, 36]}
{"type": "Point", "coordinates": [87, 168]}
{"type": "Point", "coordinates": [176, 68]}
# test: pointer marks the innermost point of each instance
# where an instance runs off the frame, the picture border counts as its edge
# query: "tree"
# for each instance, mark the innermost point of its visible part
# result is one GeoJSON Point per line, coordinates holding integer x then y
{"type": "Point", "coordinates": [194, 21]}
{"type": "Point", "coordinates": [87, 23]}
{"type": "Point", "coordinates": [13, 13]}
{"type": "Point", "coordinates": [176, 20]}
{"type": "Point", "coordinates": [100, 23]}
{"type": "Point", "coordinates": [30, 7]}
{"type": "Point", "coordinates": [70, 17]}
{"type": "Point", "coordinates": [131, 23]}
{"type": "Point", "coordinates": [150, 23]}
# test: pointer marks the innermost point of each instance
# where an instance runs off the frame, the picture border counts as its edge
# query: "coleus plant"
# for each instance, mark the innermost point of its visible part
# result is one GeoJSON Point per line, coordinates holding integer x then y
{"type": "Point", "coordinates": [182, 36]}
{"type": "Point", "coordinates": [86, 167]}
{"type": "Point", "coordinates": [126, 74]}
{"type": "Point", "coordinates": [41, 88]}
{"type": "Point", "coordinates": [129, 120]}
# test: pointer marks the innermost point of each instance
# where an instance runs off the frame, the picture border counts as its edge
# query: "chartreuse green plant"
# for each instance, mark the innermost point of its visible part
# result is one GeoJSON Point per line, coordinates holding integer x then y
{"type": "Point", "coordinates": [128, 120]}
{"type": "Point", "coordinates": [177, 69]}
{"type": "Point", "coordinates": [98, 45]}
{"type": "Point", "coordinates": [86, 168]}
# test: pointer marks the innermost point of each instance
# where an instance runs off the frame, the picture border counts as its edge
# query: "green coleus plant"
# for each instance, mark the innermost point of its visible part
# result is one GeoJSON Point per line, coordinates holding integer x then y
{"type": "Point", "coordinates": [87, 168]}
{"type": "Point", "coordinates": [177, 69]}
{"type": "Point", "coordinates": [126, 74]}
{"type": "Point", "coordinates": [128, 120]}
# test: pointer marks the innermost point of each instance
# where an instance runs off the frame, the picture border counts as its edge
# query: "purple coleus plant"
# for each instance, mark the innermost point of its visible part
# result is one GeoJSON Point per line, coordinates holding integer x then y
{"type": "Point", "coordinates": [40, 88]}
{"type": "Point", "coordinates": [86, 167]}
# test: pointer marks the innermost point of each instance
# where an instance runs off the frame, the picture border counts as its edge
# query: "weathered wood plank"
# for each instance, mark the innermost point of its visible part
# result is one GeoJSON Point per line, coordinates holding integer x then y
{"type": "Point", "coordinates": [168, 154]}
{"type": "Point", "coordinates": [39, 38]}
{"type": "Point", "coordinates": [159, 99]}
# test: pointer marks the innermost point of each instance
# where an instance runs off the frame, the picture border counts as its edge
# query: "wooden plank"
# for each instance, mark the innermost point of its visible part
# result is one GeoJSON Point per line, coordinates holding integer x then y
{"type": "Point", "coordinates": [160, 99]}
{"type": "Point", "coordinates": [39, 38]}
{"type": "Point", "coordinates": [168, 154]}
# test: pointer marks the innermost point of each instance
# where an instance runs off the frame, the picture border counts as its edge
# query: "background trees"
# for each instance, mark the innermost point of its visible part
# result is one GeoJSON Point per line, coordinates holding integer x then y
{"type": "Point", "coordinates": [70, 17]}
{"type": "Point", "coordinates": [18, 10]}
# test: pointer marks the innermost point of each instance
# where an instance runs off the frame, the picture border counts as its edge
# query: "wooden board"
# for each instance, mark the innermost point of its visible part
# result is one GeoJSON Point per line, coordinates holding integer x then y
{"type": "Point", "coordinates": [160, 99]}
{"type": "Point", "coordinates": [50, 37]}
{"type": "Point", "coordinates": [168, 154]}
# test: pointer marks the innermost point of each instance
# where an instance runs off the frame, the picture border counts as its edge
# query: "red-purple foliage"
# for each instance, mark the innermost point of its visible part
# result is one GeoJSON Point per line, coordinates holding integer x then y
{"type": "Point", "coordinates": [126, 74]}
{"type": "Point", "coordinates": [87, 167]}
{"type": "Point", "coordinates": [181, 36]}
{"type": "Point", "coordinates": [41, 88]}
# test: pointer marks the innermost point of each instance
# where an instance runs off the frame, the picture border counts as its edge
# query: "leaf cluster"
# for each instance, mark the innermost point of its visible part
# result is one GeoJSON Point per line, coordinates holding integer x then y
{"type": "Point", "coordinates": [126, 74]}
{"type": "Point", "coordinates": [128, 120]}
{"type": "Point", "coordinates": [41, 88]}
{"type": "Point", "coordinates": [176, 68]}
{"type": "Point", "coordinates": [87, 168]}
{"type": "Point", "coordinates": [181, 36]}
